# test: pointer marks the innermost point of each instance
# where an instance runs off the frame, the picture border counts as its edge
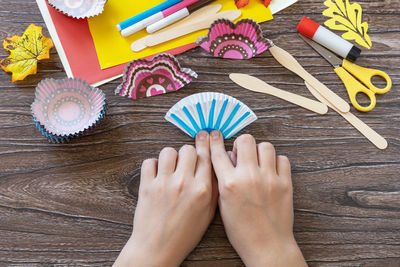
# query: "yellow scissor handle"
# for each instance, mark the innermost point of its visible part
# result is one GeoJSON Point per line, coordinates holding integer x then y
{"type": "Point", "coordinates": [365, 76]}
{"type": "Point", "coordinates": [354, 87]}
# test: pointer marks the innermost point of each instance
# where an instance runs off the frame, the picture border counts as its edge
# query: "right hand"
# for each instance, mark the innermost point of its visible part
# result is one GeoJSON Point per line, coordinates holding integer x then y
{"type": "Point", "coordinates": [256, 202]}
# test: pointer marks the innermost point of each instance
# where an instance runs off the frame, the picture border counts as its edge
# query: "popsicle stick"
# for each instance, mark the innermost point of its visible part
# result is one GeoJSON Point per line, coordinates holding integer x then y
{"type": "Point", "coordinates": [363, 128]}
{"type": "Point", "coordinates": [289, 62]}
{"type": "Point", "coordinates": [200, 13]}
{"type": "Point", "coordinates": [140, 44]}
{"type": "Point", "coordinates": [190, 26]}
{"type": "Point", "coordinates": [254, 84]}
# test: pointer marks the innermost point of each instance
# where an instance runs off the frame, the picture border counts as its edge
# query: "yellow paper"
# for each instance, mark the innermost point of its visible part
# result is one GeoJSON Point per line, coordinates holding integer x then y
{"type": "Point", "coordinates": [113, 49]}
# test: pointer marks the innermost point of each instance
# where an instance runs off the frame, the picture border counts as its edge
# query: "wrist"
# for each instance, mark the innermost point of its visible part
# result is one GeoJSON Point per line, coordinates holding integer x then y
{"type": "Point", "coordinates": [278, 253]}
{"type": "Point", "coordinates": [143, 254]}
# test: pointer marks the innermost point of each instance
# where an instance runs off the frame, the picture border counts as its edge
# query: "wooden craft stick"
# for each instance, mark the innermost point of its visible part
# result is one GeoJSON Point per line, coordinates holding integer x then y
{"type": "Point", "coordinates": [363, 128]}
{"type": "Point", "coordinates": [199, 20]}
{"type": "Point", "coordinates": [289, 62]}
{"type": "Point", "coordinates": [257, 85]}
{"type": "Point", "coordinates": [191, 26]}
{"type": "Point", "coordinates": [210, 9]}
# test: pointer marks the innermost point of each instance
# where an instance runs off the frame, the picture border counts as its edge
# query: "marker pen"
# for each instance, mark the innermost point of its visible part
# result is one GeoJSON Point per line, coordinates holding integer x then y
{"type": "Point", "coordinates": [146, 14]}
{"type": "Point", "coordinates": [326, 38]}
{"type": "Point", "coordinates": [184, 12]}
{"type": "Point", "coordinates": [156, 17]}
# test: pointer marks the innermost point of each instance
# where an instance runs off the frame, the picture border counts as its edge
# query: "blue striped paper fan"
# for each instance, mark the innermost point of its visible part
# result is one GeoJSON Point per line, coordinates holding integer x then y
{"type": "Point", "coordinates": [210, 111]}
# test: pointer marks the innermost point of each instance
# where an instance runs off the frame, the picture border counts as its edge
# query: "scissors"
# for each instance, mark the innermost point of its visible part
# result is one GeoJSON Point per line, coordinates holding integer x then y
{"type": "Point", "coordinates": [356, 79]}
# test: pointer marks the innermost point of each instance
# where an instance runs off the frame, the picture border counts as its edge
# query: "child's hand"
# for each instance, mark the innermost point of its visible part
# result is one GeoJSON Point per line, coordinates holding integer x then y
{"type": "Point", "coordinates": [177, 200]}
{"type": "Point", "coordinates": [255, 201]}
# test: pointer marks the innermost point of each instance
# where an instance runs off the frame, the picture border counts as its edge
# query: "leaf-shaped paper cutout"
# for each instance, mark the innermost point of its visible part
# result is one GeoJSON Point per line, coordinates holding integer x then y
{"type": "Point", "coordinates": [25, 52]}
{"type": "Point", "coordinates": [243, 3]}
{"type": "Point", "coordinates": [266, 2]}
{"type": "Point", "coordinates": [347, 17]}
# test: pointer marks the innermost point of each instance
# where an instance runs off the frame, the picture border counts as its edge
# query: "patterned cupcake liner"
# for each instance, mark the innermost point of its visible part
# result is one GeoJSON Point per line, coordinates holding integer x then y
{"type": "Point", "coordinates": [67, 108]}
{"type": "Point", "coordinates": [64, 139]}
{"type": "Point", "coordinates": [243, 40]}
{"type": "Point", "coordinates": [161, 75]}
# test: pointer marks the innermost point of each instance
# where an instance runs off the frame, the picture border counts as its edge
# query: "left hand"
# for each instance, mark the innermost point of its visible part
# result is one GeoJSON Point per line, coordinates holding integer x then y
{"type": "Point", "coordinates": [177, 201]}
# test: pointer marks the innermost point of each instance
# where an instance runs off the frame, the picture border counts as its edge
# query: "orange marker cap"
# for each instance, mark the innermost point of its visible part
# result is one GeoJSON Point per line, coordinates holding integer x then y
{"type": "Point", "coordinates": [307, 27]}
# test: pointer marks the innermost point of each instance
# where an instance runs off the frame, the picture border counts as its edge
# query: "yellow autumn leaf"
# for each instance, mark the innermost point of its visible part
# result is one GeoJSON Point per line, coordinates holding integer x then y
{"type": "Point", "coordinates": [25, 52]}
{"type": "Point", "coordinates": [347, 17]}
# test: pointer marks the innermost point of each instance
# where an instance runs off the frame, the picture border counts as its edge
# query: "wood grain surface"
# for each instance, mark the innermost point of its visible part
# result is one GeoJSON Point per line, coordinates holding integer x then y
{"type": "Point", "coordinates": [72, 204]}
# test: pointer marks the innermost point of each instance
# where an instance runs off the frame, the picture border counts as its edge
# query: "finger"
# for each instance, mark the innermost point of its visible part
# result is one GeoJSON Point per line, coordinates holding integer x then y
{"type": "Point", "coordinates": [267, 157]}
{"type": "Point", "coordinates": [203, 168]}
{"type": "Point", "coordinates": [246, 148]}
{"type": "Point", "coordinates": [283, 166]}
{"type": "Point", "coordinates": [167, 161]}
{"type": "Point", "coordinates": [232, 156]}
{"type": "Point", "coordinates": [187, 160]}
{"type": "Point", "coordinates": [219, 158]}
{"type": "Point", "coordinates": [148, 170]}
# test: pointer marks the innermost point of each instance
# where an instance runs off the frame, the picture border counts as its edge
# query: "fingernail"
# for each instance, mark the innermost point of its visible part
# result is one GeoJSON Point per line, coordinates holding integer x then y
{"type": "Point", "coordinates": [202, 135]}
{"type": "Point", "coordinates": [215, 135]}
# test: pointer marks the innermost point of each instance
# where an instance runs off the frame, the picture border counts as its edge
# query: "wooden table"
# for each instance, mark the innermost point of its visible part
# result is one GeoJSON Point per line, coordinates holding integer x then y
{"type": "Point", "coordinates": [73, 203]}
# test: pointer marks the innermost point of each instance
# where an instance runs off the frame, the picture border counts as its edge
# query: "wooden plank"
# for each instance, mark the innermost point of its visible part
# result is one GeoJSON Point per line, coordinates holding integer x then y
{"type": "Point", "coordinates": [73, 204]}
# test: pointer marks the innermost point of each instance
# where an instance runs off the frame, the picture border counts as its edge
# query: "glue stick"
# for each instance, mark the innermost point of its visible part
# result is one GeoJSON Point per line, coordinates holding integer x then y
{"type": "Point", "coordinates": [326, 38]}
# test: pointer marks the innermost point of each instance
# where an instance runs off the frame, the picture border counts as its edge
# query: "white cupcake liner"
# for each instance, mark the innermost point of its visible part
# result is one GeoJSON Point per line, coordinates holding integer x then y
{"type": "Point", "coordinates": [210, 111]}
{"type": "Point", "coordinates": [79, 9]}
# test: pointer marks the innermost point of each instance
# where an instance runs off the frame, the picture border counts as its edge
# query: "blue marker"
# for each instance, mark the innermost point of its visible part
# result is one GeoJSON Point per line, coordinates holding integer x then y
{"type": "Point", "coordinates": [146, 14]}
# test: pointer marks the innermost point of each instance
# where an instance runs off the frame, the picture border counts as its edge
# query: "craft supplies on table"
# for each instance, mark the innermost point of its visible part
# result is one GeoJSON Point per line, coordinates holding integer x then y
{"type": "Point", "coordinates": [113, 49]}
{"type": "Point", "coordinates": [201, 19]}
{"type": "Point", "coordinates": [355, 78]}
{"type": "Point", "coordinates": [226, 39]}
{"type": "Point", "coordinates": [363, 128]}
{"type": "Point", "coordinates": [256, 85]}
{"type": "Point", "coordinates": [155, 10]}
{"type": "Point", "coordinates": [328, 39]}
{"type": "Point", "coordinates": [178, 15]}
{"type": "Point", "coordinates": [67, 108]}
{"type": "Point", "coordinates": [161, 75]}
{"type": "Point", "coordinates": [210, 111]}
{"type": "Point", "coordinates": [289, 62]}
{"type": "Point", "coordinates": [156, 17]}
{"type": "Point", "coordinates": [74, 43]}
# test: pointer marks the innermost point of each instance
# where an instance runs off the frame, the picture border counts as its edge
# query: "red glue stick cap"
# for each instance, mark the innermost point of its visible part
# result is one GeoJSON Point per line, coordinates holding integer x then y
{"type": "Point", "coordinates": [307, 27]}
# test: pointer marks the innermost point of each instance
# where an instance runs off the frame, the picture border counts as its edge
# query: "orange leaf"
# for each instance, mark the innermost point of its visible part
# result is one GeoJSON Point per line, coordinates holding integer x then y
{"type": "Point", "coordinates": [241, 3]}
{"type": "Point", "coordinates": [266, 2]}
{"type": "Point", "coordinates": [25, 52]}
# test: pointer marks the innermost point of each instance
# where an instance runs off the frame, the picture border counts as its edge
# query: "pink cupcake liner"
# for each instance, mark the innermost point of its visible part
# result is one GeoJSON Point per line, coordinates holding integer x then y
{"type": "Point", "coordinates": [242, 40]}
{"type": "Point", "coordinates": [161, 75]}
